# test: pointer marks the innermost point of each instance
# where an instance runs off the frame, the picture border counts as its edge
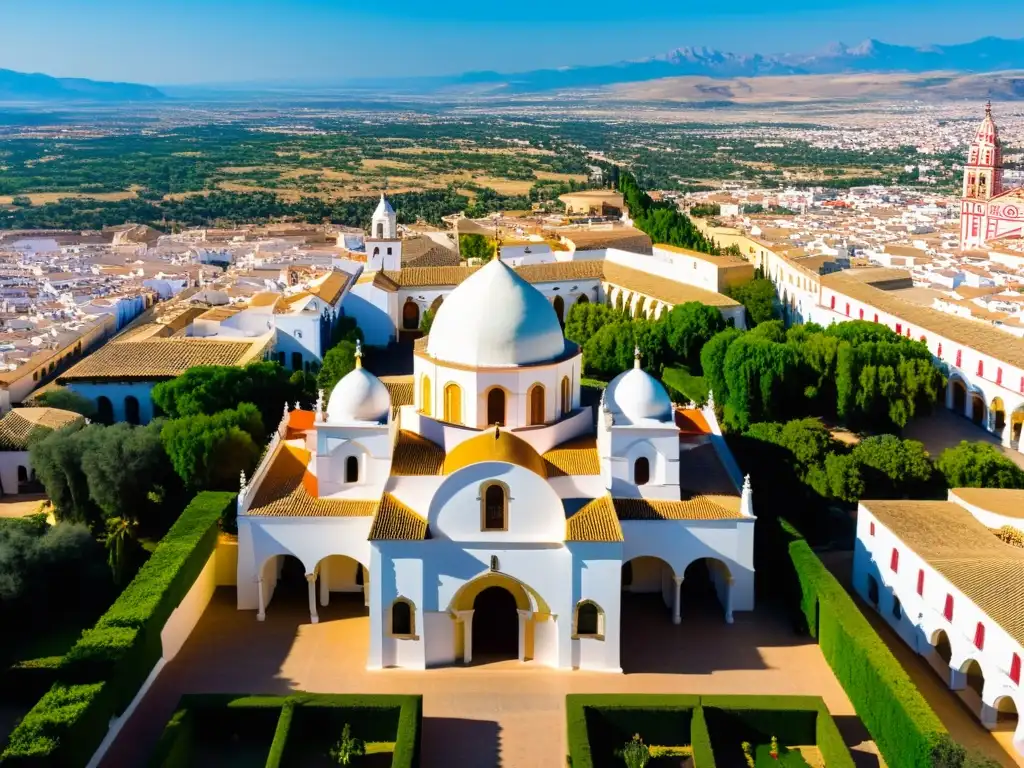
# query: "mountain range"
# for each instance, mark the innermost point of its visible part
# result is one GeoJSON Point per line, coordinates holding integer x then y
{"type": "Point", "coordinates": [19, 87]}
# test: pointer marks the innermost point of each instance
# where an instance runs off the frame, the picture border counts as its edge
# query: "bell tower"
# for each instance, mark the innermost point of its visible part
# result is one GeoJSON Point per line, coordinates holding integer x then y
{"type": "Point", "coordinates": [982, 181]}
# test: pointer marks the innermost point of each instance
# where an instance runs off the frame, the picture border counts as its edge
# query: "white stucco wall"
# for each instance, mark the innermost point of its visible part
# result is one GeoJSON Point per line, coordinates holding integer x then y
{"type": "Point", "coordinates": [185, 617]}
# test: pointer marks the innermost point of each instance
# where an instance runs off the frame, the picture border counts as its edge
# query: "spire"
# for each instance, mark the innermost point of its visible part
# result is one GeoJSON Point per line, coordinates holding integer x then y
{"type": "Point", "coordinates": [988, 108]}
{"type": "Point", "coordinates": [636, 356]}
{"type": "Point", "coordinates": [359, 354]}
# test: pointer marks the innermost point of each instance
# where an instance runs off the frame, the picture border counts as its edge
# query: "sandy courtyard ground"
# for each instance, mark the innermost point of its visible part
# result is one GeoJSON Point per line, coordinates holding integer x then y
{"type": "Point", "coordinates": [502, 714]}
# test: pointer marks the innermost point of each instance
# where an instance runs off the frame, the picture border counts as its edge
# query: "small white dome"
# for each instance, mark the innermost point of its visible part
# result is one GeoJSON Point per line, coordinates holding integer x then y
{"type": "Point", "coordinates": [495, 319]}
{"type": "Point", "coordinates": [635, 396]}
{"type": "Point", "coordinates": [359, 396]}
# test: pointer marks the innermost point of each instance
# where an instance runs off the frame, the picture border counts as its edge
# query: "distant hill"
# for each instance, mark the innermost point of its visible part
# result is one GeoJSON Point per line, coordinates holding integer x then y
{"type": "Point", "coordinates": [19, 86]}
{"type": "Point", "coordinates": [989, 54]}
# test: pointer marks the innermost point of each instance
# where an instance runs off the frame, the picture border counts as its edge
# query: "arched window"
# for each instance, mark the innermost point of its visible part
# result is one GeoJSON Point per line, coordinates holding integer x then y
{"type": "Point", "coordinates": [425, 403]}
{"type": "Point", "coordinates": [627, 575]}
{"type": "Point", "coordinates": [582, 299]}
{"type": "Point", "coordinates": [537, 404]}
{"type": "Point", "coordinates": [559, 305]}
{"type": "Point", "coordinates": [566, 396]}
{"type": "Point", "coordinates": [352, 469]}
{"type": "Point", "coordinates": [453, 403]}
{"type": "Point", "coordinates": [403, 623]}
{"type": "Point", "coordinates": [280, 359]}
{"type": "Point", "coordinates": [131, 410]}
{"type": "Point", "coordinates": [410, 315]}
{"type": "Point", "coordinates": [641, 471]}
{"type": "Point", "coordinates": [496, 407]}
{"type": "Point", "coordinates": [104, 410]}
{"type": "Point", "coordinates": [296, 361]}
{"type": "Point", "coordinates": [589, 620]}
{"type": "Point", "coordinates": [494, 507]}
{"type": "Point", "coordinates": [22, 473]}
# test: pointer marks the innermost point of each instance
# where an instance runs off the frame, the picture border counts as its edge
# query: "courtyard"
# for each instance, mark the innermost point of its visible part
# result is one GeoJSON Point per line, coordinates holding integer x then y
{"type": "Point", "coordinates": [945, 429]}
{"type": "Point", "coordinates": [506, 713]}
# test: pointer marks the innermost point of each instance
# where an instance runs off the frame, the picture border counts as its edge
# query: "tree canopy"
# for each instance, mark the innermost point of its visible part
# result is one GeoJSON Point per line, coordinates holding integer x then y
{"type": "Point", "coordinates": [758, 298]}
{"type": "Point", "coordinates": [662, 221]}
{"type": "Point", "coordinates": [210, 452]}
{"type": "Point", "coordinates": [338, 361]}
{"type": "Point", "coordinates": [979, 465]}
{"type": "Point", "coordinates": [67, 400]}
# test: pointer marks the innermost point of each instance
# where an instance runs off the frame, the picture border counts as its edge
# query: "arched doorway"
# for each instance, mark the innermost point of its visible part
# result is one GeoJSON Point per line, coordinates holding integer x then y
{"type": "Point", "coordinates": [131, 409]}
{"type": "Point", "coordinates": [453, 403]}
{"type": "Point", "coordinates": [425, 404]}
{"type": "Point", "coordinates": [705, 588]}
{"type": "Point", "coordinates": [559, 306]}
{"type": "Point", "coordinates": [975, 677]}
{"type": "Point", "coordinates": [1016, 427]}
{"type": "Point", "coordinates": [940, 653]}
{"type": "Point", "coordinates": [536, 399]}
{"type": "Point", "coordinates": [1007, 715]}
{"type": "Point", "coordinates": [410, 315]}
{"type": "Point", "coordinates": [997, 416]}
{"type": "Point", "coordinates": [496, 407]}
{"type": "Point", "coordinates": [104, 410]}
{"type": "Point", "coordinates": [978, 409]}
{"type": "Point", "coordinates": [582, 299]}
{"type": "Point", "coordinates": [342, 581]}
{"type": "Point", "coordinates": [495, 625]}
{"type": "Point", "coordinates": [959, 396]}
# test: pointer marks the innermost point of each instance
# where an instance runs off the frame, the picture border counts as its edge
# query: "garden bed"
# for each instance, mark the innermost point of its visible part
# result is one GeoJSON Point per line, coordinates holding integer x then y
{"type": "Point", "coordinates": [708, 731]}
{"type": "Point", "coordinates": [285, 731]}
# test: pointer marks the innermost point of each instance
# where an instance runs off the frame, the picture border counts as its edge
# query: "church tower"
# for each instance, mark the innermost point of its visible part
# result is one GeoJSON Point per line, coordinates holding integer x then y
{"type": "Point", "coordinates": [383, 246]}
{"type": "Point", "coordinates": [982, 181]}
{"type": "Point", "coordinates": [385, 222]}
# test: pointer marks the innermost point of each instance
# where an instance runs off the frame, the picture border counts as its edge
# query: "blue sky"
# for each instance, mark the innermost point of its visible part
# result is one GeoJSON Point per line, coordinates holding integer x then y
{"type": "Point", "coordinates": [196, 41]}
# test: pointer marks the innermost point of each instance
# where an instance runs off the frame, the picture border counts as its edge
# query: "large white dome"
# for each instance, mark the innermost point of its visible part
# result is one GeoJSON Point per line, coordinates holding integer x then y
{"type": "Point", "coordinates": [635, 396]}
{"type": "Point", "coordinates": [495, 318]}
{"type": "Point", "coordinates": [359, 396]}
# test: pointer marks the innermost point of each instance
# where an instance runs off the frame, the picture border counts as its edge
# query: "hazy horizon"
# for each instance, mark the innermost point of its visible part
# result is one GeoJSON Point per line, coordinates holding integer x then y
{"type": "Point", "coordinates": [227, 41]}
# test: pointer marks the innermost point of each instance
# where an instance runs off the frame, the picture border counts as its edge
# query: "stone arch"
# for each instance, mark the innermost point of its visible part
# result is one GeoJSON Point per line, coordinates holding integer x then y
{"type": "Point", "coordinates": [558, 304]}
{"type": "Point", "coordinates": [535, 404]}
{"type": "Point", "coordinates": [975, 675]}
{"type": "Point", "coordinates": [342, 573]}
{"type": "Point", "coordinates": [104, 410]}
{"type": "Point", "coordinates": [1016, 426]}
{"type": "Point", "coordinates": [997, 416]}
{"type": "Point", "coordinates": [452, 403]}
{"type": "Point", "coordinates": [496, 399]}
{"type": "Point", "coordinates": [410, 315]}
{"type": "Point", "coordinates": [527, 598]}
{"type": "Point", "coordinates": [958, 394]}
{"type": "Point", "coordinates": [706, 580]}
{"type": "Point", "coordinates": [978, 409]}
{"type": "Point", "coordinates": [131, 410]}
{"type": "Point", "coordinates": [582, 299]}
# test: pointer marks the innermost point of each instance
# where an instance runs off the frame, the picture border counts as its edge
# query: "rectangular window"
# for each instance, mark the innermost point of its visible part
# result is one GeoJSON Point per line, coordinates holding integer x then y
{"type": "Point", "coordinates": [1015, 669]}
{"type": "Point", "coordinates": [939, 353]}
{"type": "Point", "coordinates": [979, 636]}
{"type": "Point", "coordinates": [981, 367]}
{"type": "Point", "coordinates": [833, 305]}
{"type": "Point", "coordinates": [894, 561]}
{"type": "Point", "coordinates": [959, 358]}
{"type": "Point", "coordinates": [847, 309]}
{"type": "Point", "coordinates": [872, 529]}
{"type": "Point", "coordinates": [999, 375]}
{"type": "Point", "coordinates": [899, 329]}
{"type": "Point", "coordinates": [876, 317]}
{"type": "Point", "coordinates": [947, 611]}
{"type": "Point", "coordinates": [861, 314]}
{"type": "Point", "coordinates": [920, 582]}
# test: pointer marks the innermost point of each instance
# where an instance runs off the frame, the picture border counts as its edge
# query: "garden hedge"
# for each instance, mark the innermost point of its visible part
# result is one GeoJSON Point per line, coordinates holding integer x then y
{"type": "Point", "coordinates": [373, 718]}
{"type": "Point", "coordinates": [899, 719]}
{"type": "Point", "coordinates": [105, 669]}
{"type": "Point", "coordinates": [598, 724]}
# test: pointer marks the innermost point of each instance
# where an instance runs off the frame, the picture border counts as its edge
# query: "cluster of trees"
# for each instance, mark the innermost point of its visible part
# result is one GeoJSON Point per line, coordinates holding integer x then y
{"type": "Point", "coordinates": [473, 246]}
{"type": "Point", "coordinates": [609, 335]}
{"type": "Point", "coordinates": [662, 221]}
{"type": "Point", "coordinates": [758, 298]}
{"type": "Point", "coordinates": [861, 373]}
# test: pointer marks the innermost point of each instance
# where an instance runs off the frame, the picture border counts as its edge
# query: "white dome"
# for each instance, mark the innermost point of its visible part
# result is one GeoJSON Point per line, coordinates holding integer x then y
{"type": "Point", "coordinates": [636, 396]}
{"type": "Point", "coordinates": [359, 396]}
{"type": "Point", "coordinates": [495, 318]}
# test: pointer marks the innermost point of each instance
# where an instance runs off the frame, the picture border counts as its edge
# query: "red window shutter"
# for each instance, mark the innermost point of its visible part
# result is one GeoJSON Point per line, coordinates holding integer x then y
{"type": "Point", "coordinates": [872, 529]}
{"type": "Point", "coordinates": [979, 636]}
{"type": "Point", "coordinates": [847, 309]}
{"type": "Point", "coordinates": [948, 610]}
{"type": "Point", "coordinates": [999, 375]}
{"type": "Point", "coordinates": [920, 582]}
{"type": "Point", "coordinates": [833, 302]}
{"type": "Point", "coordinates": [894, 562]}
{"type": "Point", "coordinates": [876, 317]}
{"type": "Point", "coordinates": [939, 354]}
{"type": "Point", "coordinates": [899, 329]}
{"type": "Point", "coordinates": [861, 314]}
{"type": "Point", "coordinates": [959, 357]}
{"type": "Point", "coordinates": [924, 339]}
{"type": "Point", "coordinates": [1015, 669]}
{"type": "Point", "coordinates": [981, 367]}
{"type": "Point", "coordinates": [1022, 385]}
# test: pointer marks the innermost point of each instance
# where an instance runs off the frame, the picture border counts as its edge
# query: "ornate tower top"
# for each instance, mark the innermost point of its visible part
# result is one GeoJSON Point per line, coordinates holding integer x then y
{"type": "Point", "coordinates": [983, 172]}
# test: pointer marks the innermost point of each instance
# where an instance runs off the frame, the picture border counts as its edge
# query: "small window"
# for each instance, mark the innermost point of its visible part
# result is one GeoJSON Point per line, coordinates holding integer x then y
{"type": "Point", "coordinates": [833, 303]}
{"type": "Point", "coordinates": [352, 469]}
{"type": "Point", "coordinates": [861, 313]}
{"type": "Point", "coordinates": [938, 353]}
{"type": "Point", "coordinates": [296, 361]}
{"type": "Point", "coordinates": [876, 317]}
{"type": "Point", "coordinates": [871, 529]}
{"type": "Point", "coordinates": [981, 367]}
{"type": "Point", "coordinates": [389, 251]}
{"type": "Point", "coordinates": [495, 508]}
{"type": "Point", "coordinates": [402, 624]}
{"type": "Point", "coordinates": [894, 561]}
{"type": "Point", "coordinates": [589, 618]}
{"type": "Point", "coordinates": [920, 582]}
{"type": "Point", "coordinates": [947, 610]}
{"type": "Point", "coordinates": [897, 608]}
{"type": "Point", "coordinates": [959, 357]}
{"type": "Point", "coordinates": [979, 636]}
{"type": "Point", "coordinates": [873, 591]}
{"type": "Point", "coordinates": [642, 471]}
{"type": "Point", "coordinates": [847, 310]}
{"type": "Point", "coordinates": [999, 376]}
{"type": "Point", "coordinates": [1015, 669]}
{"type": "Point", "coordinates": [627, 574]}
{"type": "Point", "coordinates": [899, 329]}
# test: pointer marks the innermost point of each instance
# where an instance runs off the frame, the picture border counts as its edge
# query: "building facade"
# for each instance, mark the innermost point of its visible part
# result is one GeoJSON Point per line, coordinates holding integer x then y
{"type": "Point", "coordinates": [987, 211]}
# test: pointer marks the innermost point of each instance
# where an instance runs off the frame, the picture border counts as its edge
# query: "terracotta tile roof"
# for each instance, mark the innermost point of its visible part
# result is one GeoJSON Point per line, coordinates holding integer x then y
{"type": "Point", "coordinates": [264, 299]}
{"type": "Point", "coordinates": [575, 457]}
{"type": "Point", "coordinates": [288, 490]}
{"type": "Point", "coordinates": [692, 422]}
{"type": "Point", "coordinates": [560, 271]}
{"type": "Point", "coordinates": [661, 289]}
{"type": "Point", "coordinates": [401, 390]}
{"type": "Point", "coordinates": [696, 508]}
{"type": "Point", "coordinates": [415, 455]}
{"type": "Point", "coordinates": [396, 522]}
{"type": "Point", "coordinates": [331, 287]}
{"type": "Point", "coordinates": [595, 521]}
{"type": "Point", "coordinates": [975, 334]}
{"type": "Point", "coordinates": [159, 358]}
{"type": "Point", "coordinates": [18, 425]}
{"type": "Point", "coordinates": [1000, 501]}
{"type": "Point", "coordinates": [963, 550]}
{"type": "Point", "coordinates": [623, 238]}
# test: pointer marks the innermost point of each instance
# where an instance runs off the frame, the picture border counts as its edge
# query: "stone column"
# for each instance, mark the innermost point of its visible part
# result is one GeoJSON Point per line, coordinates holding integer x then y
{"type": "Point", "coordinates": [261, 612]}
{"type": "Point", "coordinates": [729, 583]}
{"type": "Point", "coordinates": [677, 600]}
{"type": "Point", "coordinates": [949, 395]}
{"type": "Point", "coordinates": [524, 616]}
{"type": "Point", "coordinates": [311, 581]}
{"type": "Point", "coordinates": [325, 591]}
{"type": "Point", "coordinates": [989, 716]}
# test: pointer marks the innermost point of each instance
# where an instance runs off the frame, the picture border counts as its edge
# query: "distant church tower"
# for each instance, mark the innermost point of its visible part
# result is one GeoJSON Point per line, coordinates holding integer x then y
{"type": "Point", "coordinates": [383, 246]}
{"type": "Point", "coordinates": [982, 182]}
{"type": "Point", "coordinates": [385, 221]}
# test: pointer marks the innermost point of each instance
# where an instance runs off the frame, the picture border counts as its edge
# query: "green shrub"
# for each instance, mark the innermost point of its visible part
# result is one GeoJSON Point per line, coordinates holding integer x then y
{"type": "Point", "coordinates": [757, 718]}
{"type": "Point", "coordinates": [62, 730]}
{"type": "Point", "coordinates": [830, 742]}
{"type": "Point", "coordinates": [893, 710]}
{"type": "Point", "coordinates": [700, 739]}
{"type": "Point", "coordinates": [284, 724]}
{"type": "Point", "coordinates": [24, 682]}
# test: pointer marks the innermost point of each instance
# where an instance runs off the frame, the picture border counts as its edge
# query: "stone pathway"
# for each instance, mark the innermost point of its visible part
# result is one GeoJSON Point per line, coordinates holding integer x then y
{"type": "Point", "coordinates": [506, 713]}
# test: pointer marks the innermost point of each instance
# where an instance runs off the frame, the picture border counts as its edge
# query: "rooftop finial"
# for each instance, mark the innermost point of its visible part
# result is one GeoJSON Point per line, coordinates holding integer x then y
{"type": "Point", "coordinates": [988, 107]}
{"type": "Point", "coordinates": [359, 354]}
{"type": "Point", "coordinates": [636, 355]}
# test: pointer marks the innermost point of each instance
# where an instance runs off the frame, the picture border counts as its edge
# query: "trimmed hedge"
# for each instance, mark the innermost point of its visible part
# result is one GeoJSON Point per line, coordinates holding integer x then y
{"type": "Point", "coordinates": [300, 719]}
{"type": "Point", "coordinates": [25, 682]}
{"type": "Point", "coordinates": [899, 719]}
{"type": "Point", "coordinates": [108, 665]}
{"type": "Point", "coordinates": [598, 725]}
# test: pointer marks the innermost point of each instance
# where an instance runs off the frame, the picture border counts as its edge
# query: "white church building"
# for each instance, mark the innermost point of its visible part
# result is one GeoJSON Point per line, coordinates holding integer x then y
{"type": "Point", "coordinates": [490, 518]}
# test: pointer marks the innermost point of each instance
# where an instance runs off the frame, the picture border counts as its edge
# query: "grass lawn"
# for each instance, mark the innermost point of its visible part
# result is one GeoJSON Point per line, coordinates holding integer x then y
{"type": "Point", "coordinates": [680, 382]}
